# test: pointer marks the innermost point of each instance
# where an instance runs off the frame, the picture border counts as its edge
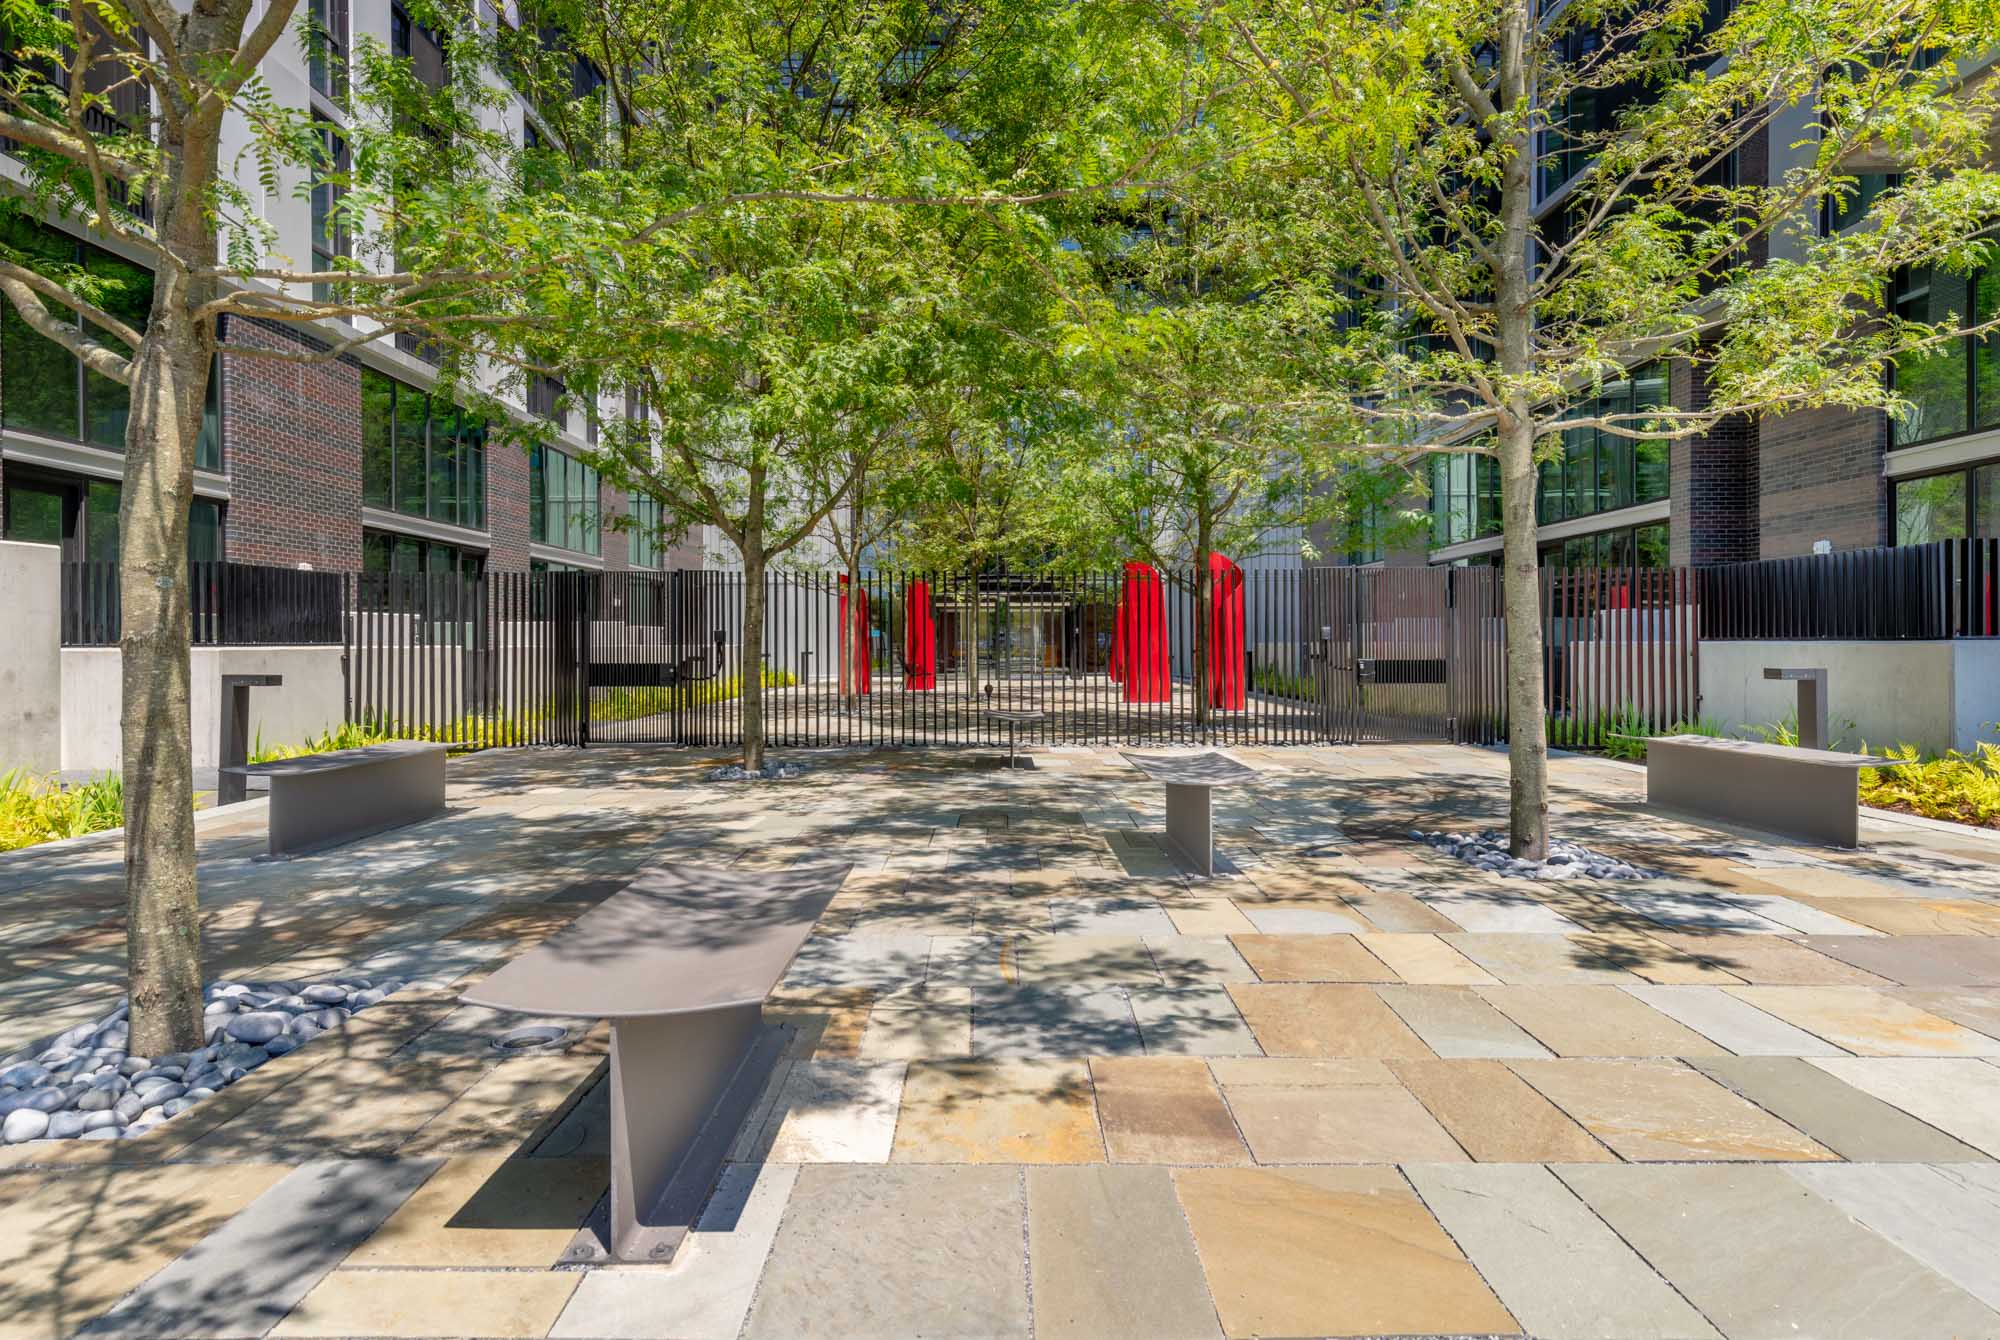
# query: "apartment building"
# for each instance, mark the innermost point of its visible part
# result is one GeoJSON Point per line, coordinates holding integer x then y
{"type": "Point", "coordinates": [1773, 487]}
{"type": "Point", "coordinates": [350, 464]}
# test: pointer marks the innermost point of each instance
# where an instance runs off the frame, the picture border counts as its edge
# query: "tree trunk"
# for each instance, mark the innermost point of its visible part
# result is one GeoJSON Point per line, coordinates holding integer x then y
{"type": "Point", "coordinates": [1527, 727]}
{"type": "Point", "coordinates": [1514, 317]}
{"type": "Point", "coordinates": [751, 653]}
{"type": "Point", "coordinates": [163, 920]}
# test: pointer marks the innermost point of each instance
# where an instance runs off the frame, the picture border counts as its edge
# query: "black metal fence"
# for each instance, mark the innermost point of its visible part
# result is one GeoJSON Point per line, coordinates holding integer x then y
{"type": "Point", "coordinates": [230, 604]}
{"type": "Point", "coordinates": [1944, 590]}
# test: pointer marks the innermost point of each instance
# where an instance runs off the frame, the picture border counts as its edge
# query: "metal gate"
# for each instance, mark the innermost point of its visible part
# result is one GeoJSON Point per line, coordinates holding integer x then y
{"type": "Point", "coordinates": [1285, 656]}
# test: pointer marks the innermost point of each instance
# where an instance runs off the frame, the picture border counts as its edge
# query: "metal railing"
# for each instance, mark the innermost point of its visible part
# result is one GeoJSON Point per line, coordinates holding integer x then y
{"type": "Point", "coordinates": [1949, 589]}
{"type": "Point", "coordinates": [230, 604]}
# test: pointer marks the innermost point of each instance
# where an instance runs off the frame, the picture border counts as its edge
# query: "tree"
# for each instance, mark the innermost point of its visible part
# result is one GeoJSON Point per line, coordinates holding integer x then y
{"type": "Point", "coordinates": [1204, 363]}
{"type": "Point", "coordinates": [811, 181]}
{"type": "Point", "coordinates": [1417, 142]}
{"type": "Point", "coordinates": [118, 109]}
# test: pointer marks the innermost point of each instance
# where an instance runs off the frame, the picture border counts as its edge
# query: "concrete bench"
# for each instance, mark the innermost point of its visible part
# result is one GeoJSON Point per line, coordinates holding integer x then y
{"type": "Point", "coordinates": [1802, 793]}
{"type": "Point", "coordinates": [322, 800]}
{"type": "Point", "coordinates": [680, 961]}
{"type": "Point", "coordinates": [1190, 780]}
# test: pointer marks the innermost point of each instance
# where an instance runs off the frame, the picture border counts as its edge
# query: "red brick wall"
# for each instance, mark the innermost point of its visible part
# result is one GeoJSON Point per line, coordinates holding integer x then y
{"type": "Point", "coordinates": [507, 506]}
{"type": "Point", "coordinates": [291, 435]}
{"type": "Point", "coordinates": [1713, 491]}
{"type": "Point", "coordinates": [1820, 478]}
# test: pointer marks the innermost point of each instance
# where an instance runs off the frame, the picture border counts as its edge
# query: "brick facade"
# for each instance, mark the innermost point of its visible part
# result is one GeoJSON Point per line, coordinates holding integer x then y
{"type": "Point", "coordinates": [1820, 478]}
{"type": "Point", "coordinates": [507, 506]}
{"type": "Point", "coordinates": [1713, 495]}
{"type": "Point", "coordinates": [291, 435]}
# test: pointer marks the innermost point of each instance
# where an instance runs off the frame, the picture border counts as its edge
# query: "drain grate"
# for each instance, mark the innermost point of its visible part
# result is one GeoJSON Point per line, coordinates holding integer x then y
{"type": "Point", "coordinates": [535, 1037]}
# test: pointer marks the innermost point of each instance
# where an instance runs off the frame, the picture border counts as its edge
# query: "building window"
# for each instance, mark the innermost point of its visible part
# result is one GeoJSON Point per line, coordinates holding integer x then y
{"type": "Point", "coordinates": [81, 515]}
{"type": "Point", "coordinates": [421, 455]}
{"type": "Point", "coordinates": [1601, 471]}
{"type": "Point", "coordinates": [411, 555]}
{"type": "Point", "coordinates": [1839, 211]}
{"type": "Point", "coordinates": [649, 541]}
{"type": "Point", "coordinates": [421, 46]}
{"type": "Point", "coordinates": [1949, 506]}
{"type": "Point", "coordinates": [327, 50]}
{"type": "Point", "coordinates": [48, 391]}
{"type": "Point", "coordinates": [545, 400]}
{"type": "Point", "coordinates": [330, 241]}
{"type": "Point", "coordinates": [563, 502]}
{"type": "Point", "coordinates": [1626, 547]}
{"type": "Point", "coordinates": [1465, 498]}
{"type": "Point", "coordinates": [1953, 387]}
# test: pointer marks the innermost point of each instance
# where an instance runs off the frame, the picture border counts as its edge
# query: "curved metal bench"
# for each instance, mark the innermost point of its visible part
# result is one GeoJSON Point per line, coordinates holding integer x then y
{"type": "Point", "coordinates": [680, 961]}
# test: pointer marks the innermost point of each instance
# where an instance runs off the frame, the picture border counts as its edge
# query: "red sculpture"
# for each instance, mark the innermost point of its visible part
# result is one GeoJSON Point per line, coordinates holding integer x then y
{"type": "Point", "coordinates": [1225, 634]}
{"type": "Point", "coordinates": [919, 638]}
{"type": "Point", "coordinates": [1139, 638]}
{"type": "Point", "coordinates": [856, 675]}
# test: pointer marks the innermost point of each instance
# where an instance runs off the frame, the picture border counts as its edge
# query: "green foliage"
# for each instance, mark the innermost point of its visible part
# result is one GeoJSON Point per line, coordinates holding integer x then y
{"type": "Point", "coordinates": [1961, 788]}
{"type": "Point", "coordinates": [33, 811]}
{"type": "Point", "coordinates": [1621, 733]}
{"type": "Point", "coordinates": [1786, 731]}
{"type": "Point", "coordinates": [1282, 683]}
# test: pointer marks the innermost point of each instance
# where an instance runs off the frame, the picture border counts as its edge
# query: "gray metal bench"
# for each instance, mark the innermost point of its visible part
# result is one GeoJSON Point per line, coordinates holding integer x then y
{"type": "Point", "coordinates": [1190, 780]}
{"type": "Point", "coordinates": [322, 800]}
{"type": "Point", "coordinates": [680, 961]}
{"type": "Point", "coordinates": [1013, 719]}
{"type": "Point", "coordinates": [1802, 793]}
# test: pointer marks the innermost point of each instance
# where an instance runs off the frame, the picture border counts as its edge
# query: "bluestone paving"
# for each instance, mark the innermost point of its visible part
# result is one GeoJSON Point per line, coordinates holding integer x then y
{"type": "Point", "coordinates": [1948, 1218]}
{"type": "Point", "coordinates": [1732, 1022]}
{"type": "Point", "coordinates": [1559, 1269]}
{"type": "Point", "coordinates": [1083, 1006]}
{"type": "Point", "coordinates": [243, 1278]}
{"type": "Point", "coordinates": [1087, 1283]}
{"type": "Point", "coordinates": [897, 1251]}
{"type": "Point", "coordinates": [1838, 1115]}
{"type": "Point", "coordinates": [1766, 1259]}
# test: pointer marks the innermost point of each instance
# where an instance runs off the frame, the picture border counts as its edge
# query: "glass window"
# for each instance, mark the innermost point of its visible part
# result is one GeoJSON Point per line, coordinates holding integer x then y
{"type": "Point", "coordinates": [208, 447]}
{"type": "Point", "coordinates": [205, 532]}
{"type": "Point", "coordinates": [1932, 508]}
{"type": "Point", "coordinates": [1986, 351]}
{"type": "Point", "coordinates": [327, 50]}
{"type": "Point", "coordinates": [1986, 502]}
{"type": "Point", "coordinates": [100, 522]}
{"type": "Point", "coordinates": [563, 502]}
{"type": "Point", "coordinates": [378, 438]}
{"type": "Point", "coordinates": [412, 472]}
{"type": "Point", "coordinates": [329, 230]}
{"type": "Point", "coordinates": [1653, 545]}
{"type": "Point", "coordinates": [1936, 382]}
{"type": "Point", "coordinates": [538, 497]}
{"type": "Point", "coordinates": [34, 513]}
{"type": "Point", "coordinates": [48, 390]}
{"type": "Point", "coordinates": [444, 464]}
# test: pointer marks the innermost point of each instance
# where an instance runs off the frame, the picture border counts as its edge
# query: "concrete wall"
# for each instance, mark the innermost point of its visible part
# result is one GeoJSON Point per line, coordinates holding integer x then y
{"type": "Point", "coordinates": [1935, 695]}
{"type": "Point", "coordinates": [309, 701]}
{"type": "Point", "coordinates": [30, 657]}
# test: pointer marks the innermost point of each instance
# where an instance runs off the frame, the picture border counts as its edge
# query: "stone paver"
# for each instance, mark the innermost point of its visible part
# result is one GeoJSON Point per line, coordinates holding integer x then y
{"type": "Point", "coordinates": [1732, 1022]}
{"type": "Point", "coordinates": [1766, 1259]}
{"type": "Point", "coordinates": [1558, 1268]}
{"type": "Point", "coordinates": [240, 1279]}
{"type": "Point", "coordinates": [1455, 1021]}
{"type": "Point", "coordinates": [1164, 1110]}
{"type": "Point", "coordinates": [1589, 1021]}
{"type": "Point", "coordinates": [1019, 1111]}
{"type": "Point", "coordinates": [1330, 1252]}
{"type": "Point", "coordinates": [1867, 1022]}
{"type": "Point", "coordinates": [897, 1250]}
{"type": "Point", "coordinates": [1495, 1115]}
{"type": "Point", "coordinates": [498, 1303]}
{"type": "Point", "coordinates": [1324, 1020]}
{"type": "Point", "coordinates": [1026, 1084]}
{"type": "Point", "coordinates": [706, 1293]}
{"type": "Point", "coordinates": [1960, 1097]}
{"type": "Point", "coordinates": [1837, 1115]}
{"type": "Point", "coordinates": [1948, 1218]}
{"type": "Point", "coordinates": [1087, 1282]}
{"type": "Point", "coordinates": [1658, 1110]}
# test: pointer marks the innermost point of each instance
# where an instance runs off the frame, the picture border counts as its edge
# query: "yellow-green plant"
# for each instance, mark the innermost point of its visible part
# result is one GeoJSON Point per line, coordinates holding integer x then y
{"type": "Point", "coordinates": [36, 810]}
{"type": "Point", "coordinates": [1959, 787]}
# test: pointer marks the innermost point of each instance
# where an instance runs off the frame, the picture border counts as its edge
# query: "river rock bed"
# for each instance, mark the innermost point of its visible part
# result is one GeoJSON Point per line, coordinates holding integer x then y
{"type": "Point", "coordinates": [770, 772]}
{"type": "Point", "coordinates": [1566, 860]}
{"type": "Point", "coordinates": [86, 1085]}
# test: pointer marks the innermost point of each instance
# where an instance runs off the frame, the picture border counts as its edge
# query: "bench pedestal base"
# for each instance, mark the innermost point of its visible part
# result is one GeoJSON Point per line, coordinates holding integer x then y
{"type": "Point", "coordinates": [680, 1088]}
{"type": "Point", "coordinates": [1191, 825]}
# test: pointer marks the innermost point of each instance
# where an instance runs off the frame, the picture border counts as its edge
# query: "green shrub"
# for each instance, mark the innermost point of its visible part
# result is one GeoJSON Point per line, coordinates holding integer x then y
{"type": "Point", "coordinates": [42, 810]}
{"type": "Point", "coordinates": [1282, 683]}
{"type": "Point", "coordinates": [1961, 788]}
{"type": "Point", "coordinates": [1620, 734]}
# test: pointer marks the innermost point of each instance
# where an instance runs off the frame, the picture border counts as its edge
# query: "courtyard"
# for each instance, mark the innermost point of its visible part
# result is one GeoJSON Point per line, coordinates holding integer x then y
{"type": "Point", "coordinates": [1041, 1081]}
